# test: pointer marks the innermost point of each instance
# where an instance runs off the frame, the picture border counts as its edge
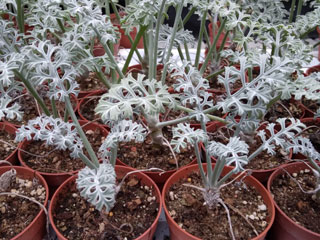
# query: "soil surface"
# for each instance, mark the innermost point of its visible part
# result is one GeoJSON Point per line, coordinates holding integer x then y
{"type": "Point", "coordinates": [282, 109]}
{"type": "Point", "coordinates": [146, 155]}
{"type": "Point", "coordinates": [134, 212]}
{"type": "Point", "coordinates": [87, 109]}
{"type": "Point", "coordinates": [312, 105]}
{"type": "Point", "coordinates": [29, 107]}
{"type": "Point", "coordinates": [89, 82]}
{"type": "Point", "coordinates": [186, 207]}
{"type": "Point", "coordinates": [17, 213]}
{"type": "Point", "coordinates": [6, 149]}
{"type": "Point", "coordinates": [58, 161]}
{"type": "Point", "coordinates": [313, 133]}
{"type": "Point", "coordinates": [302, 208]}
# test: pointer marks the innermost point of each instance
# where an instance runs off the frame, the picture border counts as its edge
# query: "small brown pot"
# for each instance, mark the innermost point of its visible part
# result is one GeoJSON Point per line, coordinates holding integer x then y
{"type": "Point", "coordinates": [284, 228]}
{"type": "Point", "coordinates": [124, 40]}
{"type": "Point", "coordinates": [9, 128]}
{"type": "Point", "coordinates": [37, 228]}
{"type": "Point", "coordinates": [177, 233]}
{"type": "Point", "coordinates": [120, 171]}
{"type": "Point", "coordinates": [85, 102]}
{"type": "Point", "coordinates": [54, 180]}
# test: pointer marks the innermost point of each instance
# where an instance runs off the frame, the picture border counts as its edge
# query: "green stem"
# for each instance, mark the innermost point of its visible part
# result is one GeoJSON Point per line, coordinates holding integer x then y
{"type": "Point", "coordinates": [213, 46]}
{"type": "Point", "coordinates": [186, 49]}
{"type": "Point", "coordinates": [86, 161]}
{"type": "Point", "coordinates": [61, 25]}
{"type": "Point", "coordinates": [103, 79]}
{"type": "Point", "coordinates": [188, 16]}
{"type": "Point", "coordinates": [33, 92]}
{"type": "Point", "coordinates": [300, 3]}
{"type": "Point", "coordinates": [134, 46]}
{"type": "Point", "coordinates": [152, 66]}
{"type": "Point", "coordinates": [66, 115]}
{"type": "Point", "coordinates": [175, 28]}
{"type": "Point", "coordinates": [83, 136]}
{"type": "Point", "coordinates": [293, 4]}
{"type": "Point", "coordinates": [180, 53]}
{"type": "Point", "coordinates": [302, 36]}
{"type": "Point", "coordinates": [114, 152]}
{"type": "Point", "coordinates": [202, 27]}
{"type": "Point", "coordinates": [110, 54]}
{"type": "Point", "coordinates": [202, 173]}
{"type": "Point", "coordinates": [207, 156]}
{"type": "Point", "coordinates": [115, 10]}
{"type": "Point", "coordinates": [107, 8]}
{"type": "Point", "coordinates": [20, 16]}
{"type": "Point", "coordinates": [156, 38]}
{"type": "Point", "coordinates": [224, 40]}
{"type": "Point", "coordinates": [225, 178]}
{"type": "Point", "coordinates": [218, 168]}
{"type": "Point", "coordinates": [135, 50]}
{"type": "Point", "coordinates": [215, 73]}
{"type": "Point", "coordinates": [54, 108]}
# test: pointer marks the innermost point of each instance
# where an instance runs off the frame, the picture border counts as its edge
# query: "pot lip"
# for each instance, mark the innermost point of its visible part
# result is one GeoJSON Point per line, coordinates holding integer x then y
{"type": "Point", "coordinates": [98, 92]}
{"type": "Point", "coordinates": [315, 68]}
{"type": "Point", "coordinates": [70, 173]}
{"type": "Point", "coordinates": [270, 180]}
{"type": "Point", "coordinates": [43, 183]}
{"type": "Point", "coordinates": [13, 128]}
{"type": "Point", "coordinates": [195, 167]}
{"type": "Point", "coordinates": [117, 167]}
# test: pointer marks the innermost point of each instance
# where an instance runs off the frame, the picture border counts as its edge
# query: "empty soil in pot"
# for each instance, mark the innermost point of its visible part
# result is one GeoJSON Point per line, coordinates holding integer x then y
{"type": "Point", "coordinates": [186, 207]}
{"type": "Point", "coordinates": [302, 208]}
{"type": "Point", "coordinates": [90, 82]}
{"type": "Point", "coordinates": [283, 109]}
{"type": "Point", "coordinates": [17, 213]}
{"type": "Point", "coordinates": [87, 109]}
{"type": "Point", "coordinates": [313, 133]}
{"type": "Point", "coordinates": [58, 161]}
{"type": "Point", "coordinates": [31, 110]}
{"type": "Point", "coordinates": [134, 212]}
{"type": "Point", "coordinates": [312, 105]}
{"type": "Point", "coordinates": [147, 155]}
{"type": "Point", "coordinates": [6, 148]}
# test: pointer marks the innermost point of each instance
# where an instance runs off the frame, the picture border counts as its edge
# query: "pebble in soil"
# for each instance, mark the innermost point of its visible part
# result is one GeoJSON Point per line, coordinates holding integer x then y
{"type": "Point", "coordinates": [302, 208]}
{"type": "Point", "coordinates": [186, 207]}
{"type": "Point", "coordinates": [51, 160]}
{"type": "Point", "coordinates": [89, 81]}
{"type": "Point", "coordinates": [135, 210]}
{"type": "Point", "coordinates": [146, 155]}
{"type": "Point", "coordinates": [12, 206]}
{"type": "Point", "coordinates": [7, 148]}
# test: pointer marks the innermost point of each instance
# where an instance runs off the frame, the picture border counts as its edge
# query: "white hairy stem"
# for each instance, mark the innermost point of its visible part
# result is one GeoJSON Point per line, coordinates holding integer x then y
{"type": "Point", "coordinates": [229, 218]}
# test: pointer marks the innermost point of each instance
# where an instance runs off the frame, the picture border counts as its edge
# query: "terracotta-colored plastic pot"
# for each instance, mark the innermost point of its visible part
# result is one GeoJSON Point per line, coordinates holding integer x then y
{"type": "Point", "coordinates": [9, 128]}
{"type": "Point", "coordinates": [37, 228]}
{"type": "Point", "coordinates": [177, 233]}
{"type": "Point", "coordinates": [120, 171]}
{"type": "Point", "coordinates": [313, 69]}
{"type": "Point", "coordinates": [86, 102]}
{"type": "Point", "coordinates": [98, 49]}
{"type": "Point", "coordinates": [124, 40]}
{"type": "Point", "coordinates": [284, 228]}
{"type": "Point", "coordinates": [54, 180]}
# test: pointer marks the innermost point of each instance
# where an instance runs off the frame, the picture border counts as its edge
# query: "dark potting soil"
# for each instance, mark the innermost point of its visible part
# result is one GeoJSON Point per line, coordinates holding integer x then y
{"type": "Point", "coordinates": [302, 208]}
{"type": "Point", "coordinates": [87, 109]}
{"type": "Point", "coordinates": [283, 109]}
{"type": "Point", "coordinates": [313, 105]}
{"type": "Point", "coordinates": [147, 155]}
{"type": "Point", "coordinates": [186, 207]}
{"type": "Point", "coordinates": [89, 82]}
{"type": "Point", "coordinates": [313, 133]}
{"type": "Point", "coordinates": [134, 212]}
{"type": "Point", "coordinates": [58, 161]}
{"type": "Point", "coordinates": [17, 213]}
{"type": "Point", "coordinates": [31, 111]}
{"type": "Point", "coordinates": [6, 148]}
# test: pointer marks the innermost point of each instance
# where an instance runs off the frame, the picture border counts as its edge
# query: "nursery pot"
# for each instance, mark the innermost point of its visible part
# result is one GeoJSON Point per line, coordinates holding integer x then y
{"type": "Point", "coordinates": [54, 180]}
{"type": "Point", "coordinates": [285, 228]}
{"type": "Point", "coordinates": [86, 103]}
{"type": "Point", "coordinates": [120, 171]}
{"type": "Point", "coordinates": [9, 128]}
{"type": "Point", "coordinates": [36, 229]}
{"type": "Point", "coordinates": [177, 233]}
{"type": "Point", "coordinates": [124, 40]}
